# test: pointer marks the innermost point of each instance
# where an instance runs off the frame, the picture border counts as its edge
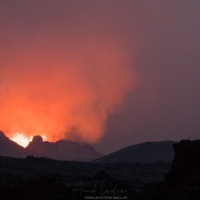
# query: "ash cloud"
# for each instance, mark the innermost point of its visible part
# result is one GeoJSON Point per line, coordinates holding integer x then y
{"type": "Point", "coordinates": [93, 49]}
{"type": "Point", "coordinates": [64, 67]}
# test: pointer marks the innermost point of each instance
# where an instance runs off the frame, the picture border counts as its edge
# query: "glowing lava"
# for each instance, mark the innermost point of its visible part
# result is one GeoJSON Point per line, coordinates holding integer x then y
{"type": "Point", "coordinates": [23, 140]}
{"type": "Point", "coordinates": [64, 74]}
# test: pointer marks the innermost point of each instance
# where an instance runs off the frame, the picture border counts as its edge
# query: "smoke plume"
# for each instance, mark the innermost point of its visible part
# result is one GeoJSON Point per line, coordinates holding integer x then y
{"type": "Point", "coordinates": [61, 73]}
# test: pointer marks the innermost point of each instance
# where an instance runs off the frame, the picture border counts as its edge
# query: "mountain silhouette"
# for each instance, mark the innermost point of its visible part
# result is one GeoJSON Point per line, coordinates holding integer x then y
{"type": "Point", "coordinates": [185, 168]}
{"type": "Point", "coordinates": [182, 182]}
{"type": "Point", "coordinates": [147, 152]}
{"type": "Point", "coordinates": [62, 150]}
{"type": "Point", "coordinates": [10, 148]}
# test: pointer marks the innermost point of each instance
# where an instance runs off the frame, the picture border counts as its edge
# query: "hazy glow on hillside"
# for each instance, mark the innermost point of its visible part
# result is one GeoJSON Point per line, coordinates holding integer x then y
{"type": "Point", "coordinates": [23, 140]}
{"type": "Point", "coordinates": [59, 74]}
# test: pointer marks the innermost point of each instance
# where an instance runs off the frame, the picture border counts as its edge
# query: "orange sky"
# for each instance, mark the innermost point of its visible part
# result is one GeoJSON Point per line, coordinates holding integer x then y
{"type": "Point", "coordinates": [59, 81]}
{"type": "Point", "coordinates": [123, 71]}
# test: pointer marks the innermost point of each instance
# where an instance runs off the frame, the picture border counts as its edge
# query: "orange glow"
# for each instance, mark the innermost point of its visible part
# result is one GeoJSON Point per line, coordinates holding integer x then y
{"type": "Point", "coordinates": [65, 94]}
{"type": "Point", "coordinates": [23, 140]}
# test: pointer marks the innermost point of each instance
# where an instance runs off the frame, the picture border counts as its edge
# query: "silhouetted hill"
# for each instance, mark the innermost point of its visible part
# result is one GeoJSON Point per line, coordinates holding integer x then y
{"type": "Point", "coordinates": [10, 148]}
{"type": "Point", "coordinates": [183, 180]}
{"type": "Point", "coordinates": [62, 150]}
{"type": "Point", "coordinates": [46, 179]}
{"type": "Point", "coordinates": [42, 178]}
{"type": "Point", "coordinates": [147, 152]}
{"type": "Point", "coordinates": [185, 168]}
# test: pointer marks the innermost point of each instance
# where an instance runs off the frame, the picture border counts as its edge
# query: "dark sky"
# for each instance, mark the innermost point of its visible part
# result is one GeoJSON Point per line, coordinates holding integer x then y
{"type": "Point", "coordinates": [159, 40]}
{"type": "Point", "coordinates": [165, 103]}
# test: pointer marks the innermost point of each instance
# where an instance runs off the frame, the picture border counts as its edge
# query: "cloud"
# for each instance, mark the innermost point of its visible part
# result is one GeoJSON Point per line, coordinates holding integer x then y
{"type": "Point", "coordinates": [64, 68]}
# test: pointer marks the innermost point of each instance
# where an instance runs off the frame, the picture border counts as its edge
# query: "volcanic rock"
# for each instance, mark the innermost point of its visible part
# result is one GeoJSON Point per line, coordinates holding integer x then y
{"type": "Point", "coordinates": [183, 180]}
{"type": "Point", "coordinates": [185, 168]}
{"type": "Point", "coordinates": [10, 148]}
{"type": "Point", "coordinates": [62, 150]}
{"type": "Point", "coordinates": [148, 152]}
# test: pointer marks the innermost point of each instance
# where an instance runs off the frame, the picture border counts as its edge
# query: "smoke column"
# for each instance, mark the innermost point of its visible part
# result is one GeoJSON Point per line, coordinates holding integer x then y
{"type": "Point", "coordinates": [61, 74]}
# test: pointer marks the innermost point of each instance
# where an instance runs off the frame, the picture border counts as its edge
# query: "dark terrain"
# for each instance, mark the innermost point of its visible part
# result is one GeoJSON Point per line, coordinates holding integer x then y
{"type": "Point", "coordinates": [183, 180]}
{"type": "Point", "coordinates": [59, 150]}
{"type": "Point", "coordinates": [10, 148]}
{"type": "Point", "coordinates": [65, 150]}
{"type": "Point", "coordinates": [147, 152]}
{"type": "Point", "coordinates": [41, 178]}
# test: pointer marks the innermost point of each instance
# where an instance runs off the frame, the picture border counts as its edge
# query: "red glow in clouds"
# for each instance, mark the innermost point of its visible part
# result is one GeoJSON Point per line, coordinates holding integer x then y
{"type": "Point", "coordinates": [62, 94]}
{"type": "Point", "coordinates": [57, 83]}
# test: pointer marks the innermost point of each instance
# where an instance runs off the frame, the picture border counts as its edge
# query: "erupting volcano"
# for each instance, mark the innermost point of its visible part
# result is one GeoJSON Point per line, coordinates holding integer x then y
{"type": "Point", "coordinates": [61, 93]}
{"type": "Point", "coordinates": [60, 85]}
{"type": "Point", "coordinates": [23, 140]}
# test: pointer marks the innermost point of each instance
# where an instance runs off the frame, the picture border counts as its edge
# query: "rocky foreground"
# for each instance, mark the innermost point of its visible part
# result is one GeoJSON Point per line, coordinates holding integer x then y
{"type": "Point", "coordinates": [59, 150]}
{"type": "Point", "coordinates": [183, 180]}
{"type": "Point", "coordinates": [41, 178]}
